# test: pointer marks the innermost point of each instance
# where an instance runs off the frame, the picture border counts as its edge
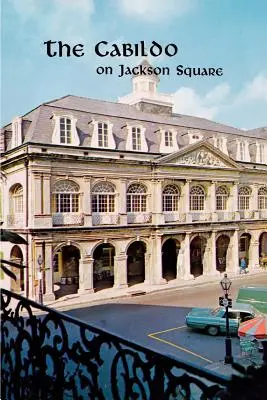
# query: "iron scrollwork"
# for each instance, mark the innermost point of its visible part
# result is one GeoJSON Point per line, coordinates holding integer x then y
{"type": "Point", "coordinates": [49, 355]}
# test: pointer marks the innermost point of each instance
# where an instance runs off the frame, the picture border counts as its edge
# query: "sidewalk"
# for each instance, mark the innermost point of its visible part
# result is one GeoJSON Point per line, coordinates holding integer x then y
{"type": "Point", "coordinates": [83, 300]}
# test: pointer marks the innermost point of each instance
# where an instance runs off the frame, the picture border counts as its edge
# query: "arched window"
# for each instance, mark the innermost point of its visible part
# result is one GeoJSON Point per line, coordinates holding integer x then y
{"type": "Point", "coordinates": [262, 198]}
{"type": "Point", "coordinates": [65, 130]}
{"type": "Point", "coordinates": [136, 198]}
{"type": "Point", "coordinates": [170, 198]}
{"type": "Point", "coordinates": [103, 198]}
{"type": "Point", "coordinates": [16, 199]}
{"type": "Point", "coordinates": [244, 198]}
{"type": "Point", "coordinates": [221, 198]}
{"type": "Point", "coordinates": [197, 198]}
{"type": "Point", "coordinates": [66, 197]}
{"type": "Point", "coordinates": [102, 134]}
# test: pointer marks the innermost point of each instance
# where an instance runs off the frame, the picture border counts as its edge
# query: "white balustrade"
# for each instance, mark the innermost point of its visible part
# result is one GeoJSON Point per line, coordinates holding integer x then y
{"type": "Point", "coordinates": [16, 220]}
{"type": "Point", "coordinates": [105, 219]}
{"type": "Point", "coordinates": [136, 218]}
{"type": "Point", "coordinates": [67, 219]}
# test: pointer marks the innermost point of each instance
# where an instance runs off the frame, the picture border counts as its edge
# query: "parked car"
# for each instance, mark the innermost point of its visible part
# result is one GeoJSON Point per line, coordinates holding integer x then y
{"type": "Point", "coordinates": [255, 295]}
{"type": "Point", "coordinates": [213, 321]}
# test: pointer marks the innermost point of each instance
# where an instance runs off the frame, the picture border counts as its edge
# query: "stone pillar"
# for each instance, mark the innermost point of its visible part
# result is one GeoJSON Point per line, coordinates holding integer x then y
{"type": "Point", "coordinates": [234, 200]}
{"type": "Point", "coordinates": [156, 263]}
{"type": "Point", "coordinates": [254, 201]}
{"type": "Point", "coordinates": [37, 194]}
{"type": "Point", "coordinates": [186, 201]}
{"type": "Point", "coordinates": [157, 214]}
{"type": "Point", "coordinates": [86, 284]}
{"type": "Point", "coordinates": [183, 260]}
{"type": "Point", "coordinates": [122, 199]}
{"type": "Point", "coordinates": [232, 257]}
{"type": "Point", "coordinates": [120, 271]}
{"type": "Point", "coordinates": [209, 261]}
{"type": "Point", "coordinates": [148, 277]}
{"type": "Point", "coordinates": [212, 201]}
{"type": "Point", "coordinates": [86, 201]}
{"type": "Point", "coordinates": [48, 273]}
{"type": "Point", "coordinates": [254, 262]}
{"type": "Point", "coordinates": [47, 195]}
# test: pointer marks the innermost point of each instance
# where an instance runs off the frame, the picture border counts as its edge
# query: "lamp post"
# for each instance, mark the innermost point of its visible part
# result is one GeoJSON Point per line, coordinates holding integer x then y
{"type": "Point", "coordinates": [40, 278]}
{"type": "Point", "coordinates": [226, 284]}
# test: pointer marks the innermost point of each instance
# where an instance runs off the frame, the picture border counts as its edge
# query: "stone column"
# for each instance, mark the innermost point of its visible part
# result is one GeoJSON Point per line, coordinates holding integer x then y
{"type": "Point", "coordinates": [47, 194]}
{"type": "Point", "coordinates": [212, 201]}
{"type": "Point", "coordinates": [209, 261]}
{"type": "Point", "coordinates": [120, 271]}
{"type": "Point", "coordinates": [48, 273]}
{"type": "Point", "coordinates": [183, 260]}
{"type": "Point", "coordinates": [234, 202]}
{"type": "Point", "coordinates": [157, 214]}
{"type": "Point", "coordinates": [232, 256]}
{"type": "Point", "coordinates": [86, 201]}
{"type": "Point", "coordinates": [148, 277]}
{"type": "Point", "coordinates": [37, 194]}
{"type": "Point", "coordinates": [186, 201]}
{"type": "Point", "coordinates": [254, 262]}
{"type": "Point", "coordinates": [86, 284]}
{"type": "Point", "coordinates": [156, 263]}
{"type": "Point", "coordinates": [254, 201]}
{"type": "Point", "coordinates": [122, 199]}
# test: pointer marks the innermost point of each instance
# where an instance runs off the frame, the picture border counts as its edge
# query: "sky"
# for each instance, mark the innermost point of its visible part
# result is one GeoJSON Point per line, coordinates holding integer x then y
{"type": "Point", "coordinates": [228, 34]}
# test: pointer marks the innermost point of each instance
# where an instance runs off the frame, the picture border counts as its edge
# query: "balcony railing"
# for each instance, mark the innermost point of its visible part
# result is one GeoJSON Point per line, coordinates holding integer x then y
{"type": "Point", "coordinates": [200, 216]}
{"type": "Point", "coordinates": [225, 215]}
{"type": "Point", "coordinates": [263, 213]}
{"type": "Point", "coordinates": [67, 219]}
{"type": "Point", "coordinates": [105, 219]}
{"type": "Point", "coordinates": [246, 214]}
{"type": "Point", "coordinates": [50, 355]}
{"type": "Point", "coordinates": [16, 220]}
{"type": "Point", "coordinates": [138, 218]}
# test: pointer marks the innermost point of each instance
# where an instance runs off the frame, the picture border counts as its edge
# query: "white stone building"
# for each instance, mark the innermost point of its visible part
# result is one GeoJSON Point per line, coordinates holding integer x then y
{"type": "Point", "coordinates": [115, 194]}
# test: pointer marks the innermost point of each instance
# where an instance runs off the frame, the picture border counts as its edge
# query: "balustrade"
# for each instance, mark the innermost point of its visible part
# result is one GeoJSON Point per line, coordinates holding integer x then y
{"type": "Point", "coordinates": [67, 219]}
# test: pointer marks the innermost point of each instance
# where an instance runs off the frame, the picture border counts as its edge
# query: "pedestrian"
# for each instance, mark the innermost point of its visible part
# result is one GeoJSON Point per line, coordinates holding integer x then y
{"type": "Point", "coordinates": [243, 265]}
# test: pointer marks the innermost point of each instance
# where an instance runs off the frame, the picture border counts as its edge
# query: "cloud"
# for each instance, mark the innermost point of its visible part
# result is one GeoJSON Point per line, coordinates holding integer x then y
{"type": "Point", "coordinates": [153, 11]}
{"type": "Point", "coordinates": [187, 101]}
{"type": "Point", "coordinates": [254, 90]}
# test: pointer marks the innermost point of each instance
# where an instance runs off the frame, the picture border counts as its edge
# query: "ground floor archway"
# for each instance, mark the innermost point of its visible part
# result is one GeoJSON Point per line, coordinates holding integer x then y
{"type": "Point", "coordinates": [103, 269]}
{"type": "Point", "coordinates": [197, 250]}
{"type": "Point", "coordinates": [17, 257]}
{"type": "Point", "coordinates": [244, 245]}
{"type": "Point", "coordinates": [222, 245]}
{"type": "Point", "coordinates": [136, 263]}
{"type": "Point", "coordinates": [170, 251]}
{"type": "Point", "coordinates": [263, 249]}
{"type": "Point", "coordinates": [66, 270]}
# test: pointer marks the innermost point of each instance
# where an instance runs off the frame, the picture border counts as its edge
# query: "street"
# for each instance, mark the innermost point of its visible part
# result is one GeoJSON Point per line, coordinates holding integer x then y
{"type": "Point", "coordinates": [157, 320]}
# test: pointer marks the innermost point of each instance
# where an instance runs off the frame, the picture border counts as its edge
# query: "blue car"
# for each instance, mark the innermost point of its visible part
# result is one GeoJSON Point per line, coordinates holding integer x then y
{"type": "Point", "coordinates": [213, 321]}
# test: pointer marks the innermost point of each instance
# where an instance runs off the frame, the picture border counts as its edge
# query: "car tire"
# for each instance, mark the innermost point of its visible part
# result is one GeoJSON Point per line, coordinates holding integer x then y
{"type": "Point", "coordinates": [213, 330]}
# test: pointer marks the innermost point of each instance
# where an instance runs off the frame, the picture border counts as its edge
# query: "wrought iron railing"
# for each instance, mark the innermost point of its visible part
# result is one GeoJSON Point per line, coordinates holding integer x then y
{"type": "Point", "coordinates": [50, 355]}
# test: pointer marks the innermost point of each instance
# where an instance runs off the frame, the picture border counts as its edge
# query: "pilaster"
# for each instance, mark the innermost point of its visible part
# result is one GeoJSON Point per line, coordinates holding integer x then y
{"type": "Point", "coordinates": [212, 201]}
{"type": "Point", "coordinates": [186, 200]}
{"type": "Point", "coordinates": [86, 284]}
{"type": "Point", "coordinates": [157, 214]}
{"type": "Point", "coordinates": [122, 201]}
{"type": "Point", "coordinates": [156, 246]}
{"type": "Point", "coordinates": [46, 194]}
{"type": "Point", "coordinates": [86, 201]}
{"type": "Point", "coordinates": [209, 261]}
{"type": "Point", "coordinates": [232, 256]}
{"type": "Point", "coordinates": [48, 272]}
{"type": "Point", "coordinates": [234, 200]}
{"type": "Point", "coordinates": [183, 260]}
{"type": "Point", "coordinates": [120, 271]}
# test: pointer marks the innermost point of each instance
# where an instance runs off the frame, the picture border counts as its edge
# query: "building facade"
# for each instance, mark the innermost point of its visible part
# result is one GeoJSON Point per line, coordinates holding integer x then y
{"type": "Point", "coordinates": [116, 194]}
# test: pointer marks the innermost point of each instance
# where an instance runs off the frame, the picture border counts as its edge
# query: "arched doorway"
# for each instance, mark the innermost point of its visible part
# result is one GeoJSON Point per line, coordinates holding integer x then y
{"type": "Point", "coordinates": [66, 270]}
{"type": "Point", "coordinates": [170, 251]}
{"type": "Point", "coordinates": [197, 250]}
{"type": "Point", "coordinates": [136, 263]}
{"type": "Point", "coordinates": [263, 249]}
{"type": "Point", "coordinates": [17, 257]}
{"type": "Point", "coordinates": [244, 244]}
{"type": "Point", "coordinates": [222, 244]}
{"type": "Point", "coordinates": [103, 257]}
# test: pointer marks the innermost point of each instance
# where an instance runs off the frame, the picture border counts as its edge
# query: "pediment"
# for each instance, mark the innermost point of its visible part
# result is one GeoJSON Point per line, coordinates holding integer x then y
{"type": "Point", "coordinates": [201, 154]}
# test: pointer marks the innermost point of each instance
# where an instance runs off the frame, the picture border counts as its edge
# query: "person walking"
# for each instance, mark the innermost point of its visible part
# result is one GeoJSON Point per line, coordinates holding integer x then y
{"type": "Point", "coordinates": [243, 265]}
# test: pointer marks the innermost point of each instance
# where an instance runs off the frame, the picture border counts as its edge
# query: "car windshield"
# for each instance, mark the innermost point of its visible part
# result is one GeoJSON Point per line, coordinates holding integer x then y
{"type": "Point", "coordinates": [215, 310]}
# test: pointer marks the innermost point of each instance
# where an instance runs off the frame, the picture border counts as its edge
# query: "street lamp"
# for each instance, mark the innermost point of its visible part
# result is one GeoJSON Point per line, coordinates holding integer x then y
{"type": "Point", "coordinates": [40, 278]}
{"type": "Point", "coordinates": [226, 284]}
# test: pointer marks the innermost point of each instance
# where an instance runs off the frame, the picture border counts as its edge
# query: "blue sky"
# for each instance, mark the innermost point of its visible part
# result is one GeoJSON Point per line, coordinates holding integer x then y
{"type": "Point", "coordinates": [231, 34]}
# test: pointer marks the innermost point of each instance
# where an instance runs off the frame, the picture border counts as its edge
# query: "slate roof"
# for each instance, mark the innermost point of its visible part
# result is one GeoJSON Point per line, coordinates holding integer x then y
{"type": "Point", "coordinates": [38, 124]}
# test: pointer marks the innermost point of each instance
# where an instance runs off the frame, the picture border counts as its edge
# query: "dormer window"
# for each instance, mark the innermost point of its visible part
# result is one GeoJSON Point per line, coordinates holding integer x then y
{"type": "Point", "coordinates": [168, 139]}
{"type": "Point", "coordinates": [242, 151]}
{"type": "Point", "coordinates": [194, 136]}
{"type": "Point", "coordinates": [16, 132]}
{"type": "Point", "coordinates": [102, 134]}
{"type": "Point", "coordinates": [136, 139]}
{"type": "Point", "coordinates": [65, 130]}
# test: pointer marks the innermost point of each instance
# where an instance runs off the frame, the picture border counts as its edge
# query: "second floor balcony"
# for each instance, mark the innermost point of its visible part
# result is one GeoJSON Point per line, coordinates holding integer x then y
{"type": "Point", "coordinates": [59, 219]}
{"type": "Point", "coordinates": [16, 220]}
